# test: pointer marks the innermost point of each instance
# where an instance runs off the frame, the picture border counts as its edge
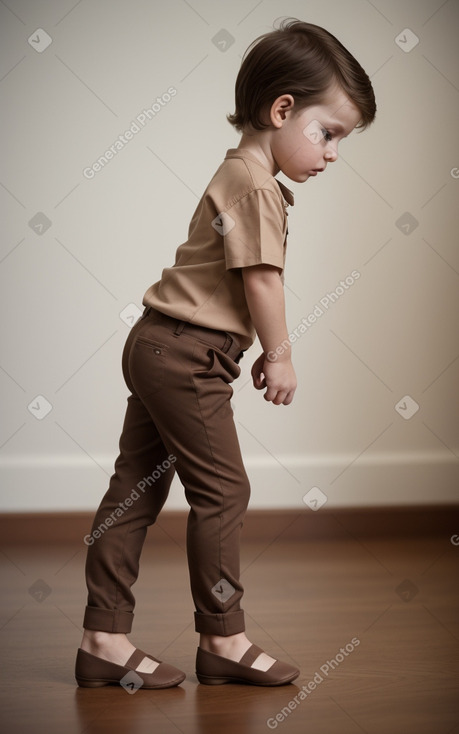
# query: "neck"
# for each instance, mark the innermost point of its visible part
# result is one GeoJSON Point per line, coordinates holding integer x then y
{"type": "Point", "coordinates": [258, 144]}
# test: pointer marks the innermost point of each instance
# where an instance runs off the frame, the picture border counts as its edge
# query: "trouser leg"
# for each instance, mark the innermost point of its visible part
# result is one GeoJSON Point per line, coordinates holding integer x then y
{"type": "Point", "coordinates": [137, 492]}
{"type": "Point", "coordinates": [179, 408]}
{"type": "Point", "coordinates": [193, 415]}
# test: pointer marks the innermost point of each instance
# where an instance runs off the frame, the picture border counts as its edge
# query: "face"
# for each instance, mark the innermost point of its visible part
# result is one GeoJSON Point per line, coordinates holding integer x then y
{"type": "Point", "coordinates": [304, 142]}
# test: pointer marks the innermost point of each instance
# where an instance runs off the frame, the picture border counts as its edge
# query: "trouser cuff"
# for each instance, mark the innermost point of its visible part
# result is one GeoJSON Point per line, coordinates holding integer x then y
{"type": "Point", "coordinates": [107, 620]}
{"type": "Point", "coordinates": [220, 624]}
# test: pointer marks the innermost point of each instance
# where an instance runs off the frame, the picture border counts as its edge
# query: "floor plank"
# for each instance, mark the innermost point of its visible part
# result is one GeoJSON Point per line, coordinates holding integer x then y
{"type": "Point", "coordinates": [398, 596]}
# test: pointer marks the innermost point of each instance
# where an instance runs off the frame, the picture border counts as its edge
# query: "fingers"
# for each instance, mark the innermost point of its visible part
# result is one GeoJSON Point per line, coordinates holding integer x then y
{"type": "Point", "coordinates": [280, 397]}
{"type": "Point", "coordinates": [278, 379]}
{"type": "Point", "coordinates": [281, 383]}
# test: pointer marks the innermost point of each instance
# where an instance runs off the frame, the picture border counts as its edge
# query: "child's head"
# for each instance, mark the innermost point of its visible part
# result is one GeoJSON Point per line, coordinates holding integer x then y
{"type": "Point", "coordinates": [302, 60]}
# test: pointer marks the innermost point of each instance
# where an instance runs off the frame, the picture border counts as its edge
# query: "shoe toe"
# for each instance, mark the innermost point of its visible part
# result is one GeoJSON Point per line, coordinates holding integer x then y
{"type": "Point", "coordinates": [165, 676]}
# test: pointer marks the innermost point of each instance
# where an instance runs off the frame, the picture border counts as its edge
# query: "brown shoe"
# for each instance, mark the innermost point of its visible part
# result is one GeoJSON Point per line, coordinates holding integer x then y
{"type": "Point", "coordinates": [92, 672]}
{"type": "Point", "coordinates": [214, 669]}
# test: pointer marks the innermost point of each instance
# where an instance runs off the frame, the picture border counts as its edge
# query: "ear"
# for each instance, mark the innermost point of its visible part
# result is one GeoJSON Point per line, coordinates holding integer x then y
{"type": "Point", "coordinates": [279, 109]}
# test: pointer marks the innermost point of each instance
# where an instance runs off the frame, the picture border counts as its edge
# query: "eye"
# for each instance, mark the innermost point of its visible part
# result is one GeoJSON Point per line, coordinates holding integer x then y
{"type": "Point", "coordinates": [326, 135]}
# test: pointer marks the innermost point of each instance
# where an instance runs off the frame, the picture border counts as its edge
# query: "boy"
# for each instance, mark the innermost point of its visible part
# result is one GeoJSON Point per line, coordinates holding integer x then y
{"type": "Point", "coordinates": [298, 93]}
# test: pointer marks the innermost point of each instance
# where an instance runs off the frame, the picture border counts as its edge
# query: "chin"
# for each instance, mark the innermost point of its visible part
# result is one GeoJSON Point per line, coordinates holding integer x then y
{"type": "Point", "coordinates": [298, 177]}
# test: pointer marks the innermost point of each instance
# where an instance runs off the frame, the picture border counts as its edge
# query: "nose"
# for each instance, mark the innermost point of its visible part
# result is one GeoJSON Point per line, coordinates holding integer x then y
{"type": "Point", "coordinates": [331, 154]}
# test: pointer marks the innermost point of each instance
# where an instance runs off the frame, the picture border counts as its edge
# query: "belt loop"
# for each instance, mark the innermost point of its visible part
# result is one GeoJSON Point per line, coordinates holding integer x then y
{"type": "Point", "coordinates": [179, 328]}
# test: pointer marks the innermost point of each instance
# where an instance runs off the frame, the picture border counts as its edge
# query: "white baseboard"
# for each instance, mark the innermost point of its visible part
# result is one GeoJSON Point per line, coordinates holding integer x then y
{"type": "Point", "coordinates": [42, 484]}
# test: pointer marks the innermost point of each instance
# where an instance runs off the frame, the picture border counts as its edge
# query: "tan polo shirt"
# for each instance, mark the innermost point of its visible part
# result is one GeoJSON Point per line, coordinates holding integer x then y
{"type": "Point", "coordinates": [241, 220]}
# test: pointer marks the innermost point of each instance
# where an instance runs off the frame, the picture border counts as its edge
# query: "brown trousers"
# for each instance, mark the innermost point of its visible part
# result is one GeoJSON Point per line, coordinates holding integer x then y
{"type": "Point", "coordinates": [178, 418]}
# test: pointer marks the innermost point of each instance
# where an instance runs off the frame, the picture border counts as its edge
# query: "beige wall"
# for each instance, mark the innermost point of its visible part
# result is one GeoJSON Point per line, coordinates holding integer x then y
{"type": "Point", "coordinates": [390, 334]}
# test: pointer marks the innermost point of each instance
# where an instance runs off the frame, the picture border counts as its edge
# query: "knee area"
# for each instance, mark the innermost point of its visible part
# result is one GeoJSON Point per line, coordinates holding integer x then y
{"type": "Point", "coordinates": [238, 499]}
{"type": "Point", "coordinates": [245, 493]}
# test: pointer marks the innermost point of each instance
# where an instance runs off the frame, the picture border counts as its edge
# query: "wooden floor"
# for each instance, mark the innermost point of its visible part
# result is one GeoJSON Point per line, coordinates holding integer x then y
{"type": "Point", "coordinates": [393, 601]}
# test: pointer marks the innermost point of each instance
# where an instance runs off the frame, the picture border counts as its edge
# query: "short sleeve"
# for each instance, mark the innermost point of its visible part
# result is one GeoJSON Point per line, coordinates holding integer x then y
{"type": "Point", "coordinates": [255, 231]}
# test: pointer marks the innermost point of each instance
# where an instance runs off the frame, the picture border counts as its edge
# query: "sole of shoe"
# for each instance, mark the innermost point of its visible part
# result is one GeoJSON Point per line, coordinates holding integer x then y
{"type": "Point", "coordinates": [217, 681]}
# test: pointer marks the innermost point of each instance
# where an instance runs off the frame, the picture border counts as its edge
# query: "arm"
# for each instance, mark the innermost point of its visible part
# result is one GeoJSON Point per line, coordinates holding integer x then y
{"type": "Point", "coordinates": [265, 300]}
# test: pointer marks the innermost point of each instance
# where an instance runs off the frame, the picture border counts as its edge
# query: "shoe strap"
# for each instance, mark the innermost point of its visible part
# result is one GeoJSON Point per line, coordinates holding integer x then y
{"type": "Point", "coordinates": [250, 655]}
{"type": "Point", "coordinates": [137, 657]}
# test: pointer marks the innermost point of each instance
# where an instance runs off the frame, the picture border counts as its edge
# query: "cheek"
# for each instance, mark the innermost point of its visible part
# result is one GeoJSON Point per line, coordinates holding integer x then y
{"type": "Point", "coordinates": [304, 151]}
{"type": "Point", "coordinates": [297, 148]}
{"type": "Point", "coordinates": [305, 142]}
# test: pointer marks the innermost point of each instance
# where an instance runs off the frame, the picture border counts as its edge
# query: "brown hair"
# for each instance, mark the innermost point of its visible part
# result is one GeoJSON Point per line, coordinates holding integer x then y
{"type": "Point", "coordinates": [303, 60]}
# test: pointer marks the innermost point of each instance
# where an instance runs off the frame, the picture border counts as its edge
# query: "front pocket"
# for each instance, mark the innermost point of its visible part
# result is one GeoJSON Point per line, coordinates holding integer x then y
{"type": "Point", "coordinates": [214, 363]}
{"type": "Point", "coordinates": [147, 366]}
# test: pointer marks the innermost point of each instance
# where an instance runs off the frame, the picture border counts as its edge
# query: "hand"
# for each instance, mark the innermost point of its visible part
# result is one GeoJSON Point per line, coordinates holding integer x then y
{"type": "Point", "coordinates": [278, 377]}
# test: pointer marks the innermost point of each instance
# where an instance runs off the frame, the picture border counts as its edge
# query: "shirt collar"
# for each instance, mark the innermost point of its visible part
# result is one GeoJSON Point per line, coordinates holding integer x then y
{"type": "Point", "coordinates": [286, 193]}
{"type": "Point", "coordinates": [237, 153]}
